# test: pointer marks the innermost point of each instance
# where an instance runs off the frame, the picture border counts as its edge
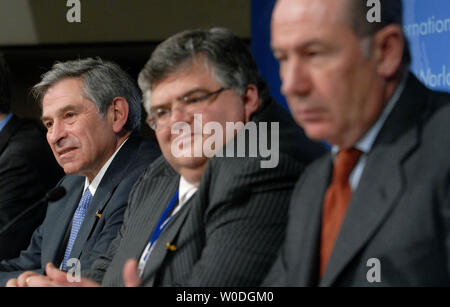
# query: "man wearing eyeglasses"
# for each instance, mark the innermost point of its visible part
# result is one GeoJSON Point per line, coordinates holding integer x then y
{"type": "Point", "coordinates": [194, 220]}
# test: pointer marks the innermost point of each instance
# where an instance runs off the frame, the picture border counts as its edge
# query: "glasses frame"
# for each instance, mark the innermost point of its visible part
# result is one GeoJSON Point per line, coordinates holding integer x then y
{"type": "Point", "coordinates": [185, 100]}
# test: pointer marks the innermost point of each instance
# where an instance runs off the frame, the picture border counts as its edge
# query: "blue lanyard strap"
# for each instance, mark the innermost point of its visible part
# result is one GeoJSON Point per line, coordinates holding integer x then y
{"type": "Point", "coordinates": [161, 225]}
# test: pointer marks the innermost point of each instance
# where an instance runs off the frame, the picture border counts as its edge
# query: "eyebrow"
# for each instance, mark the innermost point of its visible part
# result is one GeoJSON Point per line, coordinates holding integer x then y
{"type": "Point", "coordinates": [60, 111]}
{"type": "Point", "coordinates": [190, 92]}
{"type": "Point", "coordinates": [302, 45]}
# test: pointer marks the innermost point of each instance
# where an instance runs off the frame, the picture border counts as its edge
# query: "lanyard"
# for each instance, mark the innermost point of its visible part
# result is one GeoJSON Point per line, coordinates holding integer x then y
{"type": "Point", "coordinates": [162, 223]}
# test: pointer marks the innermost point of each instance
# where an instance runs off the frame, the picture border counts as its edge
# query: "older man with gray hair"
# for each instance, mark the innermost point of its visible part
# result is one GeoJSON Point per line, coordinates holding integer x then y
{"type": "Point", "coordinates": [91, 109]}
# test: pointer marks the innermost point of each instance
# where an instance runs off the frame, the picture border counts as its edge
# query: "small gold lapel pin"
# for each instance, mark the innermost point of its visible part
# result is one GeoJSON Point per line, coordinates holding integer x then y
{"type": "Point", "coordinates": [170, 247]}
{"type": "Point", "coordinates": [98, 214]}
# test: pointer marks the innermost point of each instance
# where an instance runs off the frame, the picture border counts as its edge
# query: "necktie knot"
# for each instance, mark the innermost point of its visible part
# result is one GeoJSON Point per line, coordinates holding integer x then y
{"type": "Point", "coordinates": [344, 164]}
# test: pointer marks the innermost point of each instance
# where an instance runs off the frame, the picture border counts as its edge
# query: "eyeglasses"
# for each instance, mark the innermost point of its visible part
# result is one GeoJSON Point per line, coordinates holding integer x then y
{"type": "Point", "coordinates": [190, 104]}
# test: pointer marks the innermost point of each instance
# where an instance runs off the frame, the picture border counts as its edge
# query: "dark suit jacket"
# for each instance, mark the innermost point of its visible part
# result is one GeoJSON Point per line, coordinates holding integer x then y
{"type": "Point", "coordinates": [398, 214]}
{"type": "Point", "coordinates": [110, 200]}
{"type": "Point", "coordinates": [28, 170]}
{"type": "Point", "coordinates": [228, 233]}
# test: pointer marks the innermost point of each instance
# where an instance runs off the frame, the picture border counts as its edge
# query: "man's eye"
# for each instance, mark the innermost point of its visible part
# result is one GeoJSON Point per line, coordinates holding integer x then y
{"type": "Point", "coordinates": [194, 99]}
{"type": "Point", "coordinates": [48, 125]}
{"type": "Point", "coordinates": [159, 113]}
{"type": "Point", "coordinates": [69, 115]}
{"type": "Point", "coordinates": [280, 57]}
{"type": "Point", "coordinates": [312, 53]}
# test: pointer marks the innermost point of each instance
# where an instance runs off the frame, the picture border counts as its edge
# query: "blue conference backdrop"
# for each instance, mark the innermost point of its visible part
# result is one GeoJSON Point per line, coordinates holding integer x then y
{"type": "Point", "coordinates": [426, 25]}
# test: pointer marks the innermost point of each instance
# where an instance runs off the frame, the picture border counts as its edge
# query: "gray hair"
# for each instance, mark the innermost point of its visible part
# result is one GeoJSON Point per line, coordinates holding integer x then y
{"type": "Point", "coordinates": [102, 82]}
{"type": "Point", "coordinates": [391, 13]}
{"type": "Point", "coordinates": [230, 57]}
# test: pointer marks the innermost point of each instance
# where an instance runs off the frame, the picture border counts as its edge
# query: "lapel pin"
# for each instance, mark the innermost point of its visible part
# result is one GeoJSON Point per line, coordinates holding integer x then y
{"type": "Point", "coordinates": [171, 247]}
{"type": "Point", "coordinates": [98, 214]}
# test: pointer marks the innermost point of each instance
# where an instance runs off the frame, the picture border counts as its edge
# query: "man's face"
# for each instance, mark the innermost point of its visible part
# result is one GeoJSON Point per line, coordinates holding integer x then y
{"type": "Point", "coordinates": [81, 140]}
{"type": "Point", "coordinates": [190, 80]}
{"type": "Point", "coordinates": [331, 85]}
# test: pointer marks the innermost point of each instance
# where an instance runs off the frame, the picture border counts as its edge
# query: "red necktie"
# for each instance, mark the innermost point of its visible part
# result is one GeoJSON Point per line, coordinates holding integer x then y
{"type": "Point", "coordinates": [336, 202]}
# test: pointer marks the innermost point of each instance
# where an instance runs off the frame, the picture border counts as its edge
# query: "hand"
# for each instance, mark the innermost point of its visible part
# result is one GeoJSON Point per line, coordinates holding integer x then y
{"type": "Point", "coordinates": [54, 278]}
{"type": "Point", "coordinates": [24, 278]}
{"type": "Point", "coordinates": [130, 274]}
{"type": "Point", "coordinates": [59, 279]}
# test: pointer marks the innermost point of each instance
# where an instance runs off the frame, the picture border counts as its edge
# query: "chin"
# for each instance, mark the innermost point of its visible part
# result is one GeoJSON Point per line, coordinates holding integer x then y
{"type": "Point", "coordinates": [317, 132]}
{"type": "Point", "coordinates": [69, 168]}
{"type": "Point", "coordinates": [192, 163]}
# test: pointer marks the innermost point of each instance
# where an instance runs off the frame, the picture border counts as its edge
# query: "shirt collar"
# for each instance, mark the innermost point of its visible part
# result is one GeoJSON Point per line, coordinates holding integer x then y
{"type": "Point", "coordinates": [365, 143]}
{"type": "Point", "coordinates": [185, 191]}
{"type": "Point", "coordinates": [95, 183]}
{"type": "Point", "coordinates": [5, 120]}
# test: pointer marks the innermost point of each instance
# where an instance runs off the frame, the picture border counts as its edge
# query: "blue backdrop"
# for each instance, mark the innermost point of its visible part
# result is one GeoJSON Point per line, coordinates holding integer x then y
{"type": "Point", "coordinates": [426, 24]}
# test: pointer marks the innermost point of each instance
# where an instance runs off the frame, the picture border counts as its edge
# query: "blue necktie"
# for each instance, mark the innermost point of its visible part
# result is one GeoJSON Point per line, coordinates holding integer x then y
{"type": "Point", "coordinates": [78, 218]}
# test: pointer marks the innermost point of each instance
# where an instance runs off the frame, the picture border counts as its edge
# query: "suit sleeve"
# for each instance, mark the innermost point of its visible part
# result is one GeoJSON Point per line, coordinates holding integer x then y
{"type": "Point", "coordinates": [245, 221]}
{"type": "Point", "coordinates": [28, 260]}
{"type": "Point", "coordinates": [19, 183]}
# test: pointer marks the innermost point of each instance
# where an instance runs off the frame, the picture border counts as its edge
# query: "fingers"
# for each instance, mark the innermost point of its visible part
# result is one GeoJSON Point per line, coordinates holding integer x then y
{"type": "Point", "coordinates": [12, 283]}
{"type": "Point", "coordinates": [130, 274]}
{"type": "Point", "coordinates": [22, 280]}
{"type": "Point", "coordinates": [55, 274]}
{"type": "Point", "coordinates": [59, 278]}
{"type": "Point", "coordinates": [40, 281]}
{"type": "Point", "coordinates": [54, 278]}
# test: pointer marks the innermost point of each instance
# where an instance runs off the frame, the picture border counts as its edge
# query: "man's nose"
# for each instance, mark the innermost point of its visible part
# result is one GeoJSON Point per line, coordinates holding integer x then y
{"type": "Point", "coordinates": [179, 114]}
{"type": "Point", "coordinates": [296, 78]}
{"type": "Point", "coordinates": [56, 133]}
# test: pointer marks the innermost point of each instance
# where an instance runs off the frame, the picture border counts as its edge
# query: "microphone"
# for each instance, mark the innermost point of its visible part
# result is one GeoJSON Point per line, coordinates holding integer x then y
{"type": "Point", "coordinates": [53, 195]}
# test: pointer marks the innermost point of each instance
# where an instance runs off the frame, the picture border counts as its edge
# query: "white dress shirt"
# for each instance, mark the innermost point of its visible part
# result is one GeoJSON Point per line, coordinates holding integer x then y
{"type": "Point", "coordinates": [98, 178]}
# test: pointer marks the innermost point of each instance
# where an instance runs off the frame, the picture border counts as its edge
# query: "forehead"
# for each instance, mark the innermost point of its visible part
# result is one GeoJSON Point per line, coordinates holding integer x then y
{"type": "Point", "coordinates": [191, 75]}
{"type": "Point", "coordinates": [322, 11]}
{"type": "Point", "coordinates": [300, 18]}
{"type": "Point", "coordinates": [65, 93]}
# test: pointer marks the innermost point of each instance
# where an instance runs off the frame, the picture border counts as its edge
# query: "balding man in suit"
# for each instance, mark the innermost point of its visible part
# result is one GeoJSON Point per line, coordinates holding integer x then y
{"type": "Point", "coordinates": [375, 211]}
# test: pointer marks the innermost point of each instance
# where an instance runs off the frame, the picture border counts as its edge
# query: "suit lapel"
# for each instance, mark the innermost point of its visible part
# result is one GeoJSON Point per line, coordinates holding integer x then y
{"type": "Point", "coordinates": [380, 185]}
{"type": "Point", "coordinates": [66, 206]}
{"type": "Point", "coordinates": [309, 225]}
{"type": "Point", "coordinates": [113, 176]}
{"type": "Point", "coordinates": [160, 251]}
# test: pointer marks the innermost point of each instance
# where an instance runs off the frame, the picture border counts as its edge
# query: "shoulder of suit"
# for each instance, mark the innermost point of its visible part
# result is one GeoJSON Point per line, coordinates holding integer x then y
{"type": "Point", "coordinates": [159, 167]}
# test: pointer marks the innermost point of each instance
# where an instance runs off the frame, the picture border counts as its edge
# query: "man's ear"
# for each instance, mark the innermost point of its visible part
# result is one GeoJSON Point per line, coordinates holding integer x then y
{"type": "Point", "coordinates": [119, 113]}
{"type": "Point", "coordinates": [389, 44]}
{"type": "Point", "coordinates": [251, 101]}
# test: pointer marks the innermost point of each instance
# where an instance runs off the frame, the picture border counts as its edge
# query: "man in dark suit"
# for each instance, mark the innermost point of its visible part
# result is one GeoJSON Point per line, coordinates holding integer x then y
{"type": "Point", "coordinates": [374, 212]}
{"type": "Point", "coordinates": [228, 212]}
{"type": "Point", "coordinates": [28, 170]}
{"type": "Point", "coordinates": [92, 113]}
